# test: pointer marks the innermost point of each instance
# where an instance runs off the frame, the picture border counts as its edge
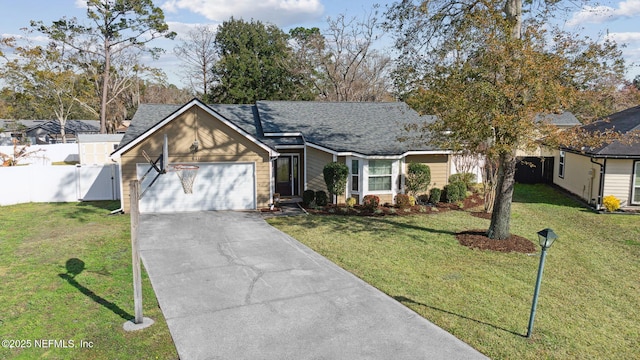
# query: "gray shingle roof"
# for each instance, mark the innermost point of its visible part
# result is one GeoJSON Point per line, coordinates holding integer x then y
{"type": "Point", "coordinates": [623, 122]}
{"type": "Point", "coordinates": [70, 126]}
{"type": "Point", "coordinates": [565, 119]}
{"type": "Point", "coordinates": [366, 128]}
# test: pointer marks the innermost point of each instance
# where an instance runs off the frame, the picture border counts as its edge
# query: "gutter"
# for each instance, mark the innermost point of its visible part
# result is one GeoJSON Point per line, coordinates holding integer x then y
{"type": "Point", "coordinates": [601, 181]}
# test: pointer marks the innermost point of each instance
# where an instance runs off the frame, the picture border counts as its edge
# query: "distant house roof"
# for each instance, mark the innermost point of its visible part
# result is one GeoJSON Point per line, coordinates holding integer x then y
{"type": "Point", "coordinates": [623, 122]}
{"type": "Point", "coordinates": [71, 126]}
{"type": "Point", "coordinates": [364, 128]}
{"type": "Point", "coordinates": [93, 138]}
{"type": "Point", "coordinates": [564, 119]}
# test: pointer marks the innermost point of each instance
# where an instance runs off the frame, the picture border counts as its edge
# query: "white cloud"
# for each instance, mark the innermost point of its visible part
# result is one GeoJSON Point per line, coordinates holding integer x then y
{"type": "Point", "coordinates": [279, 12]}
{"type": "Point", "coordinates": [600, 14]}
{"type": "Point", "coordinates": [624, 37]}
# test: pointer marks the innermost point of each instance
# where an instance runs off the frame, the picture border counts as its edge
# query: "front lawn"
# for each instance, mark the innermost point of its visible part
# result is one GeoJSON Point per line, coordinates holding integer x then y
{"type": "Point", "coordinates": [588, 306]}
{"type": "Point", "coordinates": [67, 286]}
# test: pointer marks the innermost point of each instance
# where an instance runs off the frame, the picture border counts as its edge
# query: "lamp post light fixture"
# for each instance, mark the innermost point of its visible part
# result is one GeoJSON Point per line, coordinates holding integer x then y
{"type": "Point", "coordinates": [546, 238]}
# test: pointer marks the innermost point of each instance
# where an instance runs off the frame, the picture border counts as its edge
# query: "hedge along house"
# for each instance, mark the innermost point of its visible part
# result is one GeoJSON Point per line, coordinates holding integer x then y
{"type": "Point", "coordinates": [611, 169]}
{"type": "Point", "coordinates": [248, 153]}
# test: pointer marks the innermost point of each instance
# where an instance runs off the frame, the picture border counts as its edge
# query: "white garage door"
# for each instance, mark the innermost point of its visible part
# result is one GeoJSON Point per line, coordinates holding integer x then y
{"type": "Point", "coordinates": [217, 186]}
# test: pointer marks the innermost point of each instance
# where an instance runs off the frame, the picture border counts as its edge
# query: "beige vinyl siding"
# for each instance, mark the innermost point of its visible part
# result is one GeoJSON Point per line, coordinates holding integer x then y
{"type": "Point", "coordinates": [217, 143]}
{"type": "Point", "coordinates": [316, 160]}
{"type": "Point", "coordinates": [438, 164]}
{"type": "Point", "coordinates": [581, 177]}
{"type": "Point", "coordinates": [618, 179]}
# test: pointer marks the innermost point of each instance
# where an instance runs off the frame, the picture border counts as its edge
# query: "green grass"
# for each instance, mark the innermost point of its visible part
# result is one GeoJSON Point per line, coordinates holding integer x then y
{"type": "Point", "coordinates": [66, 275]}
{"type": "Point", "coordinates": [588, 306]}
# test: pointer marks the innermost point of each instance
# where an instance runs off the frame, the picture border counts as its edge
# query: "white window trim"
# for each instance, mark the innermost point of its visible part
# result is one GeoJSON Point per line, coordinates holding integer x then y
{"type": "Point", "coordinates": [562, 164]}
{"type": "Point", "coordinates": [635, 186]}
{"type": "Point", "coordinates": [364, 181]}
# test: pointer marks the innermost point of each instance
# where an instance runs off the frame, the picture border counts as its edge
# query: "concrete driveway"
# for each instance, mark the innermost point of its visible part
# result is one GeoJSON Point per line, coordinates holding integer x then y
{"type": "Point", "coordinates": [233, 287]}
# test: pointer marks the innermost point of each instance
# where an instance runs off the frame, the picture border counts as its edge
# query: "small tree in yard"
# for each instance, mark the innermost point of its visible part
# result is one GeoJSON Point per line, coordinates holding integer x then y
{"type": "Point", "coordinates": [20, 152]}
{"type": "Point", "coordinates": [418, 178]}
{"type": "Point", "coordinates": [335, 176]}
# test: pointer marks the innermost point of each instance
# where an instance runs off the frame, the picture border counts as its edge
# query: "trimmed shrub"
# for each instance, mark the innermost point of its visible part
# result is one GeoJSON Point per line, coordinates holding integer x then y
{"type": "Point", "coordinates": [335, 176]}
{"type": "Point", "coordinates": [418, 178]}
{"type": "Point", "coordinates": [351, 202]}
{"type": "Point", "coordinates": [412, 201]}
{"type": "Point", "coordinates": [371, 202]}
{"type": "Point", "coordinates": [462, 190]}
{"type": "Point", "coordinates": [402, 200]}
{"type": "Point", "coordinates": [611, 203]}
{"type": "Point", "coordinates": [434, 195]}
{"type": "Point", "coordinates": [469, 179]}
{"type": "Point", "coordinates": [452, 192]}
{"type": "Point", "coordinates": [308, 196]}
{"type": "Point", "coordinates": [321, 198]}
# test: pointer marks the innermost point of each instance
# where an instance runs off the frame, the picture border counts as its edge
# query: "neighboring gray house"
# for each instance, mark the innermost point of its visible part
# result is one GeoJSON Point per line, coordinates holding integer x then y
{"type": "Point", "coordinates": [247, 153]}
{"type": "Point", "coordinates": [536, 166]}
{"type": "Point", "coordinates": [48, 131]}
{"type": "Point", "coordinates": [611, 169]}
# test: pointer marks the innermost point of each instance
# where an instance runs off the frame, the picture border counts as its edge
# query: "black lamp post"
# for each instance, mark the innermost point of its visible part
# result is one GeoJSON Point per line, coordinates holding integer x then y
{"type": "Point", "coordinates": [546, 238]}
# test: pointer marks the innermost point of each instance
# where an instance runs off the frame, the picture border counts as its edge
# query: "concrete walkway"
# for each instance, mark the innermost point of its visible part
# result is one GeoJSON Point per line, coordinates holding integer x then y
{"type": "Point", "coordinates": [233, 287]}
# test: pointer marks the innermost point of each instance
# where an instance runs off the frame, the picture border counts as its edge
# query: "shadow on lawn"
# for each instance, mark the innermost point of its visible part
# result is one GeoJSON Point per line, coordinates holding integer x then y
{"type": "Point", "coordinates": [76, 266]}
{"type": "Point", "coordinates": [368, 224]}
{"type": "Point", "coordinates": [403, 300]}
{"type": "Point", "coordinates": [85, 211]}
{"type": "Point", "coordinates": [545, 194]}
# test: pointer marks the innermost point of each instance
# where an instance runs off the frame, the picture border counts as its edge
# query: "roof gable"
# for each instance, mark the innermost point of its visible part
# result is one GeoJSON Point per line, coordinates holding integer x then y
{"type": "Point", "coordinates": [145, 122]}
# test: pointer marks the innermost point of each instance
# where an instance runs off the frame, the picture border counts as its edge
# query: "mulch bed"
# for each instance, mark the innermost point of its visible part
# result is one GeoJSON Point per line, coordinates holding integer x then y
{"type": "Point", "coordinates": [477, 239]}
{"type": "Point", "coordinates": [472, 202]}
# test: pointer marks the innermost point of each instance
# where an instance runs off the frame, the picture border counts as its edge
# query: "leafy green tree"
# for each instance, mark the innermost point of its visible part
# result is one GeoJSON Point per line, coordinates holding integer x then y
{"type": "Point", "coordinates": [48, 82]}
{"type": "Point", "coordinates": [116, 27]}
{"type": "Point", "coordinates": [255, 63]}
{"type": "Point", "coordinates": [487, 70]}
{"type": "Point", "coordinates": [335, 176]}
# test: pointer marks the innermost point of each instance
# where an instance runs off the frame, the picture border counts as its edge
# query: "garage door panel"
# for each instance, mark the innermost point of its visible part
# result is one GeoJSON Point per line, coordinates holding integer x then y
{"type": "Point", "coordinates": [217, 186]}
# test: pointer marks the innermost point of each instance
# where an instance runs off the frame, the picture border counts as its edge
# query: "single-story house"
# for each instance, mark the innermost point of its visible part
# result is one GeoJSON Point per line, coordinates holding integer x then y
{"type": "Point", "coordinates": [48, 131]}
{"type": "Point", "coordinates": [611, 169]}
{"type": "Point", "coordinates": [248, 153]}
{"type": "Point", "coordinates": [536, 165]}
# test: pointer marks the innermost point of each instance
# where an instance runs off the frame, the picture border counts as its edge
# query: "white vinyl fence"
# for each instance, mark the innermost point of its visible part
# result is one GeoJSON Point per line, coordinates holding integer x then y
{"type": "Point", "coordinates": [32, 183]}
{"type": "Point", "coordinates": [47, 154]}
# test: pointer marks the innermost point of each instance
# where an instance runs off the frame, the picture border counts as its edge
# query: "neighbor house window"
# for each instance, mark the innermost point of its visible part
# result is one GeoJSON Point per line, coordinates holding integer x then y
{"type": "Point", "coordinates": [561, 165]}
{"type": "Point", "coordinates": [355, 175]}
{"type": "Point", "coordinates": [636, 183]}
{"type": "Point", "coordinates": [380, 175]}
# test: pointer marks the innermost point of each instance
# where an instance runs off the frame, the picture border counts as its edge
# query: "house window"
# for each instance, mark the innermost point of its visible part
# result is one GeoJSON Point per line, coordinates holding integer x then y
{"type": "Point", "coordinates": [636, 183]}
{"type": "Point", "coordinates": [380, 175]}
{"type": "Point", "coordinates": [561, 165]}
{"type": "Point", "coordinates": [355, 175]}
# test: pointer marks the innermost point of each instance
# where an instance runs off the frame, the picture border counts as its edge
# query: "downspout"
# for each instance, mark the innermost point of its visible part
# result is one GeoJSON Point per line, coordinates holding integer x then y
{"type": "Point", "coordinates": [601, 181]}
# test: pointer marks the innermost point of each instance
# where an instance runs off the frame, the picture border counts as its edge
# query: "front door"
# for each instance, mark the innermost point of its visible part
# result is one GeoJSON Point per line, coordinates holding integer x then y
{"type": "Point", "coordinates": [286, 171]}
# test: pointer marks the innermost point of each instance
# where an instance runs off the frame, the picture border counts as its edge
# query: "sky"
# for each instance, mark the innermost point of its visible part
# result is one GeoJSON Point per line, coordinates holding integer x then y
{"type": "Point", "coordinates": [617, 20]}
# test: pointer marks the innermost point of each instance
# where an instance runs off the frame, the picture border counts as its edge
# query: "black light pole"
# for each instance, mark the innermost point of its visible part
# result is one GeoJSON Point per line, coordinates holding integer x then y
{"type": "Point", "coordinates": [546, 238]}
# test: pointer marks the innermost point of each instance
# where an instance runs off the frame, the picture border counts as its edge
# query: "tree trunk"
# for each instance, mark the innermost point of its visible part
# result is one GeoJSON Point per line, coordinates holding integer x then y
{"type": "Point", "coordinates": [105, 87]}
{"type": "Point", "coordinates": [501, 216]}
